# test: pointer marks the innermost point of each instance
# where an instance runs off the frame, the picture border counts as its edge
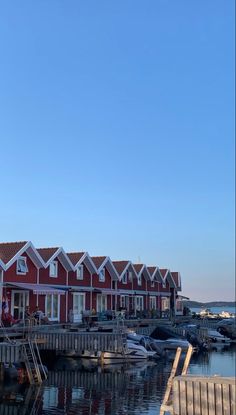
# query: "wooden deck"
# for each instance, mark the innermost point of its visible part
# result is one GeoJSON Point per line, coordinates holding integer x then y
{"type": "Point", "coordinates": [197, 395]}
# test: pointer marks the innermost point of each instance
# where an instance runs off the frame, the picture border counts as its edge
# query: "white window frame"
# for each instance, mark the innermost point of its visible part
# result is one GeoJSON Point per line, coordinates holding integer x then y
{"type": "Point", "coordinates": [48, 313]}
{"type": "Point", "coordinates": [130, 275]}
{"type": "Point", "coordinates": [25, 300]}
{"type": "Point", "coordinates": [152, 283]}
{"type": "Point", "coordinates": [139, 280]}
{"type": "Point", "coordinates": [124, 301]}
{"type": "Point", "coordinates": [18, 270]}
{"type": "Point", "coordinates": [55, 264]}
{"type": "Point", "coordinates": [77, 295]}
{"type": "Point", "coordinates": [103, 305]}
{"type": "Point", "coordinates": [80, 272]}
{"type": "Point", "coordinates": [125, 278]}
{"type": "Point", "coordinates": [101, 275]}
{"type": "Point", "coordinates": [165, 303]}
{"type": "Point", "coordinates": [140, 300]}
{"type": "Point", "coordinates": [152, 302]}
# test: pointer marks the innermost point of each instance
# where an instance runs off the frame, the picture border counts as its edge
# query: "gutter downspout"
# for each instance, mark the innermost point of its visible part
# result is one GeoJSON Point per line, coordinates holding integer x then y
{"type": "Point", "coordinates": [91, 292]}
{"type": "Point", "coordinates": [67, 279]}
{"type": "Point", "coordinates": [37, 296]}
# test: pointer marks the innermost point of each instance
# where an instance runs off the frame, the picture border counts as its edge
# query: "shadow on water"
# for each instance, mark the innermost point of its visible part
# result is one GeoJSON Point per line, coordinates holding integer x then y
{"type": "Point", "coordinates": [80, 387]}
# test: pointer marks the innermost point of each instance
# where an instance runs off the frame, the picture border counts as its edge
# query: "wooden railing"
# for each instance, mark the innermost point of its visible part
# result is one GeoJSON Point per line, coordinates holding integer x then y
{"type": "Point", "coordinates": [204, 395]}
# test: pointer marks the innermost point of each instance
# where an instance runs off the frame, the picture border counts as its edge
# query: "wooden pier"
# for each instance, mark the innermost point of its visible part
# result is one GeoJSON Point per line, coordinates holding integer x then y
{"type": "Point", "coordinates": [197, 395]}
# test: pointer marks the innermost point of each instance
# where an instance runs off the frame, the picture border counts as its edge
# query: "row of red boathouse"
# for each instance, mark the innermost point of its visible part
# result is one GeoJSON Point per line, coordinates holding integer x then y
{"type": "Point", "coordinates": [66, 285]}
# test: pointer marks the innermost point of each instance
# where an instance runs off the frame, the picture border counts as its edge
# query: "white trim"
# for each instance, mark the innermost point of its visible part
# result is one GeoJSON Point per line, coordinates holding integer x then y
{"type": "Point", "coordinates": [81, 269]}
{"type": "Point", "coordinates": [58, 307]}
{"type": "Point", "coordinates": [26, 295]}
{"type": "Point", "coordinates": [24, 259]}
{"type": "Point", "coordinates": [102, 275]}
{"type": "Point", "coordinates": [55, 263]}
{"type": "Point", "coordinates": [21, 251]}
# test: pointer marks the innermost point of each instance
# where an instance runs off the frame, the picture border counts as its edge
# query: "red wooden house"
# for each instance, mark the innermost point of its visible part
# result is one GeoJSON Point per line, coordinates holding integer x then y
{"type": "Point", "coordinates": [104, 283]}
{"type": "Point", "coordinates": [20, 265]}
{"type": "Point", "coordinates": [80, 283]}
{"type": "Point", "coordinates": [168, 292]}
{"type": "Point", "coordinates": [153, 287]}
{"type": "Point", "coordinates": [127, 274]}
{"type": "Point", "coordinates": [55, 273]}
{"type": "Point", "coordinates": [140, 288]}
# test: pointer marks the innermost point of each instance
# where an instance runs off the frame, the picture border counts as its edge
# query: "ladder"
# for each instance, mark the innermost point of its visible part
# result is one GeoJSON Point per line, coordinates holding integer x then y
{"type": "Point", "coordinates": [33, 362]}
{"type": "Point", "coordinates": [167, 404]}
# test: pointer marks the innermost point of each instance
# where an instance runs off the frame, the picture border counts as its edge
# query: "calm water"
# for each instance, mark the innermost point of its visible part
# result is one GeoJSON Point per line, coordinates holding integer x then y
{"type": "Point", "coordinates": [215, 310]}
{"type": "Point", "coordinates": [77, 387]}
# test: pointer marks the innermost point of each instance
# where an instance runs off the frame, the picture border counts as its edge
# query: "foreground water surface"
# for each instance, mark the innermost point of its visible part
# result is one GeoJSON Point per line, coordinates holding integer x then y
{"type": "Point", "coordinates": [79, 387]}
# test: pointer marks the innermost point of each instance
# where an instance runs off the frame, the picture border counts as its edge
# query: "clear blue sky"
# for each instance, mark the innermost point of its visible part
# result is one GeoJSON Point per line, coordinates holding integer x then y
{"type": "Point", "coordinates": [117, 132]}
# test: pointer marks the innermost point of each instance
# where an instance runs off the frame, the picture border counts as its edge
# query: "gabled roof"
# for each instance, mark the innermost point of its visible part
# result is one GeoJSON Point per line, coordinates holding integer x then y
{"type": "Point", "coordinates": [177, 279]}
{"type": "Point", "coordinates": [49, 254]}
{"type": "Point", "coordinates": [11, 251]}
{"type": "Point", "coordinates": [155, 274]}
{"type": "Point", "coordinates": [141, 269]}
{"type": "Point", "coordinates": [123, 266]}
{"type": "Point", "coordinates": [78, 258]}
{"type": "Point", "coordinates": [166, 275]}
{"type": "Point", "coordinates": [104, 261]}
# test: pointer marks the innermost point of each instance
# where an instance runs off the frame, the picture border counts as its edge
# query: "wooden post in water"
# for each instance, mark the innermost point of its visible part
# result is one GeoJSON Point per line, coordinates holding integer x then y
{"type": "Point", "coordinates": [167, 404]}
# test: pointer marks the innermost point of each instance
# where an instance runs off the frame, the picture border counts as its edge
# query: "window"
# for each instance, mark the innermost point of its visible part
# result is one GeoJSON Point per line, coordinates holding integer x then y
{"type": "Point", "coordinates": [153, 284]}
{"type": "Point", "coordinates": [80, 272]}
{"type": "Point", "coordinates": [139, 280]}
{"type": "Point", "coordinates": [124, 279]}
{"type": "Point", "coordinates": [113, 285]}
{"type": "Point", "coordinates": [102, 275]}
{"type": "Point", "coordinates": [164, 285]}
{"type": "Point", "coordinates": [1, 276]}
{"type": "Point", "coordinates": [130, 275]}
{"type": "Point", "coordinates": [21, 265]}
{"type": "Point", "coordinates": [165, 303]}
{"type": "Point", "coordinates": [53, 269]}
{"type": "Point", "coordinates": [52, 307]}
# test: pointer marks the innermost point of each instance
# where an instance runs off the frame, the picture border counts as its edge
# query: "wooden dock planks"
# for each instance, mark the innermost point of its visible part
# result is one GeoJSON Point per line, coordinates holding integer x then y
{"type": "Point", "coordinates": [196, 395]}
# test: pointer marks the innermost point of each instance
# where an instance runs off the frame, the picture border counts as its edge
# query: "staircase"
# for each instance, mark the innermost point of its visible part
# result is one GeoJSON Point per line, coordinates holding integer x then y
{"type": "Point", "coordinates": [33, 362]}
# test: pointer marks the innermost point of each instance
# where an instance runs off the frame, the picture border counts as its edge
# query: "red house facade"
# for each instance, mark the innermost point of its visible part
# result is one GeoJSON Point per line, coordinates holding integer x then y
{"type": "Point", "coordinates": [65, 285]}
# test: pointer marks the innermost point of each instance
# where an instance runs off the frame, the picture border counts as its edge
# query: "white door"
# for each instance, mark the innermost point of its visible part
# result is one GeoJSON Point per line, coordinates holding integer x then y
{"type": "Point", "coordinates": [78, 306]}
{"type": "Point", "coordinates": [52, 307]}
{"type": "Point", "coordinates": [139, 303]}
{"type": "Point", "coordinates": [20, 299]}
{"type": "Point", "coordinates": [153, 303]}
{"type": "Point", "coordinates": [101, 303]}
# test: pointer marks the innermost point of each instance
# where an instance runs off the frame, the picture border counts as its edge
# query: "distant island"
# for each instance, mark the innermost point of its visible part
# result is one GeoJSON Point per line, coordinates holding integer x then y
{"type": "Point", "coordinates": [190, 304]}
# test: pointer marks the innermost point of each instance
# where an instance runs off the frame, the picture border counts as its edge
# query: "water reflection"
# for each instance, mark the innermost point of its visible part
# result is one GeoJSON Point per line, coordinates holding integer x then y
{"type": "Point", "coordinates": [81, 387]}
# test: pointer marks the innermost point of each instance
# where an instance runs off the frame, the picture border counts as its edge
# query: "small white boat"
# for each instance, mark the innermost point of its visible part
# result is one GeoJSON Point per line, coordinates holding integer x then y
{"type": "Point", "coordinates": [215, 337]}
{"type": "Point", "coordinates": [132, 352]}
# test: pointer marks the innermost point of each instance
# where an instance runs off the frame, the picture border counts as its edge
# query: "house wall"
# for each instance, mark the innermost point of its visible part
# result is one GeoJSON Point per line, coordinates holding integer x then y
{"type": "Point", "coordinates": [30, 277]}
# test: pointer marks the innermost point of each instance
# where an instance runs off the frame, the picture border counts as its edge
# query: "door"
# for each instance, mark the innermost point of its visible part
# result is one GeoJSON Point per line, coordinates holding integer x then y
{"type": "Point", "coordinates": [52, 307]}
{"type": "Point", "coordinates": [139, 303]}
{"type": "Point", "coordinates": [20, 299]}
{"type": "Point", "coordinates": [78, 306]}
{"type": "Point", "coordinates": [101, 303]}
